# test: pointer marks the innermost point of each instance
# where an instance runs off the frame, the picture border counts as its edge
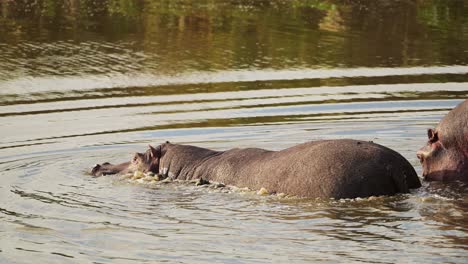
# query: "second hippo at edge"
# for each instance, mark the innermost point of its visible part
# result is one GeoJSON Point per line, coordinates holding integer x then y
{"type": "Point", "coordinates": [445, 156]}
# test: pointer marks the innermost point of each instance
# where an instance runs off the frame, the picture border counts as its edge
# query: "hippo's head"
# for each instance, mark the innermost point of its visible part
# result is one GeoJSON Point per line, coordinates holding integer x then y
{"type": "Point", "coordinates": [144, 162]}
{"type": "Point", "coordinates": [445, 156]}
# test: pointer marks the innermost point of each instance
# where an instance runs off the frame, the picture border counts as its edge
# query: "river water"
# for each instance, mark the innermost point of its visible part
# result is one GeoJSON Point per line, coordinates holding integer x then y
{"type": "Point", "coordinates": [83, 82]}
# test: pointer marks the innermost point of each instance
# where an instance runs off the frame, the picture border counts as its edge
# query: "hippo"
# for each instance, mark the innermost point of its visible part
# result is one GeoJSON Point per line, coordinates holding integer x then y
{"type": "Point", "coordinates": [342, 168]}
{"type": "Point", "coordinates": [445, 156]}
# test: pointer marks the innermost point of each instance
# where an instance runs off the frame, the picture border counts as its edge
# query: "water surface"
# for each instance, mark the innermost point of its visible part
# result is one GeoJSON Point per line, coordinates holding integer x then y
{"type": "Point", "coordinates": [83, 82]}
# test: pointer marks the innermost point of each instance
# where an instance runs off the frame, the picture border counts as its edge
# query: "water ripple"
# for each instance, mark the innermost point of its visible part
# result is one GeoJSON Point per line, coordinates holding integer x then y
{"type": "Point", "coordinates": [89, 82]}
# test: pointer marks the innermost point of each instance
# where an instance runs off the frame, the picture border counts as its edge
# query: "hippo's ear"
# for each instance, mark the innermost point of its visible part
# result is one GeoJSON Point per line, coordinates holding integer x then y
{"type": "Point", "coordinates": [155, 152]}
{"type": "Point", "coordinates": [432, 135]}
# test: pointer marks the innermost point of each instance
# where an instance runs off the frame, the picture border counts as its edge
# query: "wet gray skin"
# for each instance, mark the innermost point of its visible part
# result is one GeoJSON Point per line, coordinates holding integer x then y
{"type": "Point", "coordinates": [325, 169]}
{"type": "Point", "coordinates": [445, 156]}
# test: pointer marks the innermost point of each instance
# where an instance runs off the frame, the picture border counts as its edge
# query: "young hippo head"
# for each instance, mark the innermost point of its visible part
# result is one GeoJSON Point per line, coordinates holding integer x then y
{"type": "Point", "coordinates": [144, 162]}
{"type": "Point", "coordinates": [445, 156]}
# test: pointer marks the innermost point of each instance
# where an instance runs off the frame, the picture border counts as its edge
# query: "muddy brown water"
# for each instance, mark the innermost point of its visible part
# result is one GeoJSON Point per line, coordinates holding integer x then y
{"type": "Point", "coordinates": [83, 82]}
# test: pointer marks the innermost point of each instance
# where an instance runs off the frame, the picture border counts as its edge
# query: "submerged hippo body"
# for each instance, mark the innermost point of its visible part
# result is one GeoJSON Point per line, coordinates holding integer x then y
{"type": "Point", "coordinates": [445, 156]}
{"type": "Point", "coordinates": [326, 169]}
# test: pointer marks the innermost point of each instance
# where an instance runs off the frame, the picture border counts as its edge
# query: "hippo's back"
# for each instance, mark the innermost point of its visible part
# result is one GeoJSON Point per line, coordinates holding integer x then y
{"type": "Point", "coordinates": [339, 169]}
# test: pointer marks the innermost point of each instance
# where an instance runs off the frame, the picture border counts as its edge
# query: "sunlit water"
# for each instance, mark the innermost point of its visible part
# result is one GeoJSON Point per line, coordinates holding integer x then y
{"type": "Point", "coordinates": [84, 82]}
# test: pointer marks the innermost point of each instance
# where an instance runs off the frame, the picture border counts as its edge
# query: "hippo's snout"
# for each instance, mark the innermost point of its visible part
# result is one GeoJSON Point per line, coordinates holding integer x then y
{"type": "Point", "coordinates": [107, 168]}
{"type": "Point", "coordinates": [95, 168]}
{"type": "Point", "coordinates": [145, 162]}
{"type": "Point", "coordinates": [421, 155]}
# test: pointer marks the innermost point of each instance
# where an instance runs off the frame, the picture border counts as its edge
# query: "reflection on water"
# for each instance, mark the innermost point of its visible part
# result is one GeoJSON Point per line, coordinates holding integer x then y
{"type": "Point", "coordinates": [78, 37]}
{"type": "Point", "coordinates": [88, 81]}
